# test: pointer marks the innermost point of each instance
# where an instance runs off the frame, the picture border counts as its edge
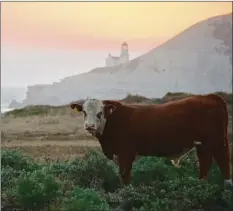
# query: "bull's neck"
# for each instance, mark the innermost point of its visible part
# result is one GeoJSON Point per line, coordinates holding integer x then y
{"type": "Point", "coordinates": [114, 121]}
{"type": "Point", "coordinates": [117, 120]}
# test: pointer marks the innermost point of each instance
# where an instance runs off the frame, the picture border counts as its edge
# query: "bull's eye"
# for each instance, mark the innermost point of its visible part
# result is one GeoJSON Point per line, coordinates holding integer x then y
{"type": "Point", "coordinates": [99, 115]}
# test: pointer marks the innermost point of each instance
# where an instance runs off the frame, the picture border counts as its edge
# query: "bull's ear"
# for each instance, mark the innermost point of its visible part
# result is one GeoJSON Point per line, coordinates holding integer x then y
{"type": "Point", "coordinates": [109, 109]}
{"type": "Point", "coordinates": [76, 107]}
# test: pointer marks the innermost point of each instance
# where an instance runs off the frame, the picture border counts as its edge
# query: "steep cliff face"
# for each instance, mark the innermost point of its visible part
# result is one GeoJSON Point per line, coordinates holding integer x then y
{"type": "Point", "coordinates": [198, 60]}
{"type": "Point", "coordinates": [42, 94]}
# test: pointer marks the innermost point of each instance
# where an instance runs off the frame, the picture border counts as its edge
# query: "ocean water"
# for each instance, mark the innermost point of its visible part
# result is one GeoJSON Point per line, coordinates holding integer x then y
{"type": "Point", "coordinates": [5, 108]}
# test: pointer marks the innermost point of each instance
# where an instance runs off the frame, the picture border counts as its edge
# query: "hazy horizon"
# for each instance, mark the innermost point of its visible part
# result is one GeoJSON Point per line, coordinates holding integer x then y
{"type": "Point", "coordinates": [54, 64]}
{"type": "Point", "coordinates": [68, 40]}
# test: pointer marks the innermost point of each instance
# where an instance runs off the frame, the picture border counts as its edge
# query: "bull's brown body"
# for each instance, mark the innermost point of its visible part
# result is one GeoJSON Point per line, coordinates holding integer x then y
{"type": "Point", "coordinates": [168, 130]}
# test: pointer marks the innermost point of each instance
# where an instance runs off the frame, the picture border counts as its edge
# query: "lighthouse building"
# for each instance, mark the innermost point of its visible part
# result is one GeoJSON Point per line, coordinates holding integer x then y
{"type": "Point", "coordinates": [115, 60]}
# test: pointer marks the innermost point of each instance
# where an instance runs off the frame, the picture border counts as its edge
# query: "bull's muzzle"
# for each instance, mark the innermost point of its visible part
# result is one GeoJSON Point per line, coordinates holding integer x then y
{"type": "Point", "coordinates": [90, 128]}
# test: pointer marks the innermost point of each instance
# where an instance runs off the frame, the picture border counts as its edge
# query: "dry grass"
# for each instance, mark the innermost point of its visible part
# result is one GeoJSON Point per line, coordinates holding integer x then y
{"type": "Point", "coordinates": [49, 137]}
{"type": "Point", "coordinates": [44, 127]}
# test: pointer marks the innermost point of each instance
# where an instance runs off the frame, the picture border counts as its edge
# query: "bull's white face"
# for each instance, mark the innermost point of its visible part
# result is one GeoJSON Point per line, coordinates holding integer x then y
{"type": "Point", "coordinates": [95, 113]}
{"type": "Point", "coordinates": [94, 120]}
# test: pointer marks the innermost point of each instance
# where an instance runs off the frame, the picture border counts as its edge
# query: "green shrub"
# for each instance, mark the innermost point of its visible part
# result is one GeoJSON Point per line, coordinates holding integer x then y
{"type": "Point", "coordinates": [156, 185]}
{"type": "Point", "coordinates": [85, 200]}
{"type": "Point", "coordinates": [135, 98]}
{"type": "Point", "coordinates": [30, 111]}
{"type": "Point", "coordinates": [215, 175]}
{"type": "Point", "coordinates": [157, 100]}
{"type": "Point", "coordinates": [226, 198]}
{"type": "Point", "coordinates": [189, 193]}
{"type": "Point", "coordinates": [16, 160]}
{"type": "Point", "coordinates": [60, 170]}
{"type": "Point", "coordinates": [96, 171]}
{"type": "Point", "coordinates": [170, 96]}
{"type": "Point", "coordinates": [8, 201]}
{"type": "Point", "coordinates": [36, 190]}
{"type": "Point", "coordinates": [129, 197]}
{"type": "Point", "coordinates": [177, 194]}
{"type": "Point", "coordinates": [148, 169]}
{"type": "Point", "coordinates": [8, 177]}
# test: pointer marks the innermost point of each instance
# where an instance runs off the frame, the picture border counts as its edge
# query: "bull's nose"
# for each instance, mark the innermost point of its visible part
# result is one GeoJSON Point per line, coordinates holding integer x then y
{"type": "Point", "coordinates": [90, 127]}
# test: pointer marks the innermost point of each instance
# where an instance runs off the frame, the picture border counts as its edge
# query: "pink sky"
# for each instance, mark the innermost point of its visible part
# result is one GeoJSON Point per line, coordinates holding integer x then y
{"type": "Point", "coordinates": [95, 26]}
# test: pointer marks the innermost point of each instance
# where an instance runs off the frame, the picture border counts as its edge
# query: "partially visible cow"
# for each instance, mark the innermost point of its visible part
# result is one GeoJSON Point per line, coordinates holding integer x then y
{"type": "Point", "coordinates": [165, 130]}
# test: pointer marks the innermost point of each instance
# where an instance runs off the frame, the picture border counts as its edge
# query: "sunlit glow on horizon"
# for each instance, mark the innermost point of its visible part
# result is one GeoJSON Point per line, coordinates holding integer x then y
{"type": "Point", "coordinates": [100, 25]}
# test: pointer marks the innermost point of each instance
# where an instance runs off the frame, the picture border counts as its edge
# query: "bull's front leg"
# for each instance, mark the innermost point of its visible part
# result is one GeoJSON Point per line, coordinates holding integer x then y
{"type": "Point", "coordinates": [125, 162]}
{"type": "Point", "coordinates": [115, 159]}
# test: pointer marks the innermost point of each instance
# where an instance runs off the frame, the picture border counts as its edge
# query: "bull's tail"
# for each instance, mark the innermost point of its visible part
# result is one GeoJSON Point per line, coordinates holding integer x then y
{"type": "Point", "coordinates": [177, 163]}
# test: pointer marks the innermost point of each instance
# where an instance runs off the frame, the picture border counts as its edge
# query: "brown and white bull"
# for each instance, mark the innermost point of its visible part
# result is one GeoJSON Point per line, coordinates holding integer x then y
{"type": "Point", "coordinates": [165, 130]}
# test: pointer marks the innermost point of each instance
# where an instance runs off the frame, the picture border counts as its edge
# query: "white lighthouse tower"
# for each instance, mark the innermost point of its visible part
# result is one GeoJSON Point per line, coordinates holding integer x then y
{"type": "Point", "coordinates": [116, 60]}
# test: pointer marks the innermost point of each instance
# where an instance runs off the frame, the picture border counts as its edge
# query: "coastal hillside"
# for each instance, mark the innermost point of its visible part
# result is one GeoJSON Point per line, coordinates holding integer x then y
{"type": "Point", "coordinates": [197, 60]}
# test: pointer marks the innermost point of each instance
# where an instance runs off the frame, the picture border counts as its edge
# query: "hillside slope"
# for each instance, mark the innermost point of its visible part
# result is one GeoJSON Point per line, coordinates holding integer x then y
{"type": "Point", "coordinates": [198, 60]}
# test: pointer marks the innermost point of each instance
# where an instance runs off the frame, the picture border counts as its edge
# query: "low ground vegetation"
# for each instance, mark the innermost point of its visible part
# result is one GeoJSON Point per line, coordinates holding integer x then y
{"type": "Point", "coordinates": [91, 183]}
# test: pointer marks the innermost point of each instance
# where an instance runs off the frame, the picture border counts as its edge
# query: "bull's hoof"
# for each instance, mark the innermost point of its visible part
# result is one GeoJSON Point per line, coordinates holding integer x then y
{"type": "Point", "coordinates": [228, 184]}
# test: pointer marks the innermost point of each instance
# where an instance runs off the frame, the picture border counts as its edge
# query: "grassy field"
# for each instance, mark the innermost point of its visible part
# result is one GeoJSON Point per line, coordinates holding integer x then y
{"type": "Point", "coordinates": [55, 136]}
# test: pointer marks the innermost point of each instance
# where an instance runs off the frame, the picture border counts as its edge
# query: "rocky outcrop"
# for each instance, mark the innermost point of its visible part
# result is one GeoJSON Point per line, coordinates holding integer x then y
{"type": "Point", "coordinates": [15, 104]}
{"type": "Point", "coordinates": [42, 94]}
{"type": "Point", "coordinates": [8, 93]}
{"type": "Point", "coordinates": [198, 60]}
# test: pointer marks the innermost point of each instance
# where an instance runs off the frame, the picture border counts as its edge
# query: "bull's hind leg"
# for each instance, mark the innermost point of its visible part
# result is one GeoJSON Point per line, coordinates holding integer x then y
{"type": "Point", "coordinates": [205, 161]}
{"type": "Point", "coordinates": [221, 155]}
